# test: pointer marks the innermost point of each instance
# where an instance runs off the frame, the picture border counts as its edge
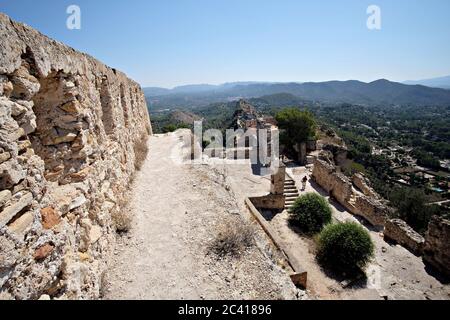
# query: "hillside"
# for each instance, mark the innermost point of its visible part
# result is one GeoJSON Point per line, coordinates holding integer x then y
{"type": "Point", "coordinates": [377, 93]}
{"type": "Point", "coordinates": [440, 82]}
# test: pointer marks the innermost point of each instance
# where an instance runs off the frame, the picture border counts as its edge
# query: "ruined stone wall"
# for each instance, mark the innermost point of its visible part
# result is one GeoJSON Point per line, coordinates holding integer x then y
{"type": "Point", "coordinates": [68, 127]}
{"type": "Point", "coordinates": [437, 244]}
{"type": "Point", "coordinates": [400, 232]}
{"type": "Point", "coordinates": [341, 188]}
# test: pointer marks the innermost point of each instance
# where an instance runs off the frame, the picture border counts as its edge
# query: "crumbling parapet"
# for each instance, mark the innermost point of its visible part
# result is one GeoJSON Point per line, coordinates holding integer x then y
{"type": "Point", "coordinates": [341, 188]}
{"type": "Point", "coordinates": [400, 232]}
{"type": "Point", "coordinates": [437, 244]}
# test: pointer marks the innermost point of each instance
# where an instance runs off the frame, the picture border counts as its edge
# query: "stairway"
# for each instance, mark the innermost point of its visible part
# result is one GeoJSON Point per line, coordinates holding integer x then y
{"type": "Point", "coordinates": [290, 192]}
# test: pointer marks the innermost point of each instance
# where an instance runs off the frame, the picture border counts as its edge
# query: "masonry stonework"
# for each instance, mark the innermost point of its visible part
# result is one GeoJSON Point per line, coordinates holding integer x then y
{"type": "Point", "coordinates": [68, 127]}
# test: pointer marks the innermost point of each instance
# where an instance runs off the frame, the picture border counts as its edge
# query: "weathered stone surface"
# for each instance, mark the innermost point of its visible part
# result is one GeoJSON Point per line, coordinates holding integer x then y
{"type": "Point", "coordinates": [24, 222]}
{"type": "Point", "coordinates": [341, 188]}
{"type": "Point", "coordinates": [8, 253]}
{"type": "Point", "coordinates": [5, 156]}
{"type": "Point", "coordinates": [50, 218]}
{"type": "Point", "coordinates": [43, 251]}
{"type": "Point", "coordinates": [437, 244]}
{"type": "Point", "coordinates": [400, 232]}
{"type": "Point", "coordinates": [9, 212]}
{"type": "Point", "coordinates": [361, 182]}
{"type": "Point", "coordinates": [68, 125]}
{"type": "Point", "coordinates": [5, 196]}
{"type": "Point", "coordinates": [95, 234]}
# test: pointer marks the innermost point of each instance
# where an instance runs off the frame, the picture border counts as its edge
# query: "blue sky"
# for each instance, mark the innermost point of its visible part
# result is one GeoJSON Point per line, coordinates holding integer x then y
{"type": "Point", "coordinates": [174, 42]}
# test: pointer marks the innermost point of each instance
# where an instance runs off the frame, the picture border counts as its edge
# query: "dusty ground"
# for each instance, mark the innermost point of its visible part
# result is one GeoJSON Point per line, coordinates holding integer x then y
{"type": "Point", "coordinates": [177, 209]}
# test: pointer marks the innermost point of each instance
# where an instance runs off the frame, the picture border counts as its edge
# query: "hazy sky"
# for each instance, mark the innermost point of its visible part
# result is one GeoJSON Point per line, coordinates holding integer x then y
{"type": "Point", "coordinates": [169, 42]}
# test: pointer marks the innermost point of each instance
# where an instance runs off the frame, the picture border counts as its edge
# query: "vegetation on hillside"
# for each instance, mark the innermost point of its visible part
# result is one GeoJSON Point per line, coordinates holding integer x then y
{"type": "Point", "coordinates": [345, 247]}
{"type": "Point", "coordinates": [311, 212]}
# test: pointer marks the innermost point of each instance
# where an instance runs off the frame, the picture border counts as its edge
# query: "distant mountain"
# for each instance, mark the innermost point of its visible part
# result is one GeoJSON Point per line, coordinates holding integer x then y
{"type": "Point", "coordinates": [380, 92]}
{"type": "Point", "coordinates": [194, 88]}
{"type": "Point", "coordinates": [155, 91]}
{"type": "Point", "coordinates": [441, 82]}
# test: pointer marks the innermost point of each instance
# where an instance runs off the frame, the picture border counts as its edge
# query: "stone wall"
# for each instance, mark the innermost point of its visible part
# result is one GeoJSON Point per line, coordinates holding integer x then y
{"type": "Point", "coordinates": [399, 231]}
{"type": "Point", "coordinates": [339, 186]}
{"type": "Point", "coordinates": [437, 245]}
{"type": "Point", "coordinates": [68, 127]}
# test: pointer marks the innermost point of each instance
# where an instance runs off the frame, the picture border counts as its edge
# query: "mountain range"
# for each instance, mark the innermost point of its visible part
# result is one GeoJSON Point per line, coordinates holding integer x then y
{"type": "Point", "coordinates": [441, 82]}
{"type": "Point", "coordinates": [376, 93]}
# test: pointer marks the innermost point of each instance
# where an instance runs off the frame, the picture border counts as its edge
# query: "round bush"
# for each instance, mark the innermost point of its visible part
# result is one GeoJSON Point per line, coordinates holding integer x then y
{"type": "Point", "coordinates": [345, 247]}
{"type": "Point", "coordinates": [311, 212]}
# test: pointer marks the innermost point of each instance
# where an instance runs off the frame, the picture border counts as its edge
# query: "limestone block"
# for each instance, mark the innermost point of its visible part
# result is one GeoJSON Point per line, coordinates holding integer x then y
{"type": "Point", "coordinates": [50, 218]}
{"type": "Point", "coordinates": [25, 85]}
{"type": "Point", "coordinates": [10, 212]}
{"type": "Point", "coordinates": [43, 252]}
{"type": "Point", "coordinates": [22, 223]}
{"type": "Point", "coordinates": [400, 232]}
{"type": "Point", "coordinates": [5, 196]}
{"type": "Point", "coordinates": [8, 253]}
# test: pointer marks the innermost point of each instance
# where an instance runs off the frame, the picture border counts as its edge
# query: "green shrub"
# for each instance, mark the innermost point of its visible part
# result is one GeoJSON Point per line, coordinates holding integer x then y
{"type": "Point", "coordinates": [345, 247]}
{"type": "Point", "coordinates": [311, 212]}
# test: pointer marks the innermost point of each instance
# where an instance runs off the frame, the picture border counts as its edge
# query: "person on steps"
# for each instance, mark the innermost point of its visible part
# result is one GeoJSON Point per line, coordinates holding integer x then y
{"type": "Point", "coordinates": [304, 181]}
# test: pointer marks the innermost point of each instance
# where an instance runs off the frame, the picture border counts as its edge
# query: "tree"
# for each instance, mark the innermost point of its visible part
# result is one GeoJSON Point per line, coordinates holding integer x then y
{"type": "Point", "coordinates": [345, 247]}
{"type": "Point", "coordinates": [311, 212]}
{"type": "Point", "coordinates": [296, 126]}
{"type": "Point", "coordinates": [411, 207]}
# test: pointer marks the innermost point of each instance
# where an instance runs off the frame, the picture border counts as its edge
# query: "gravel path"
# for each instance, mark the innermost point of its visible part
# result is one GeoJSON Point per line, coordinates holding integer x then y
{"type": "Point", "coordinates": [176, 211]}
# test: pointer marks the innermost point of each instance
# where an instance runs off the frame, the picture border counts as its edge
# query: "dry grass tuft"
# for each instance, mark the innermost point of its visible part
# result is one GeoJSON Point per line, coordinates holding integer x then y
{"type": "Point", "coordinates": [122, 218]}
{"type": "Point", "coordinates": [232, 238]}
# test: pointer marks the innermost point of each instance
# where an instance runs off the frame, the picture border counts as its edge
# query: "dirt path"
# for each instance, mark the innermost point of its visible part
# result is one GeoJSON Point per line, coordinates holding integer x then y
{"type": "Point", "coordinates": [176, 210]}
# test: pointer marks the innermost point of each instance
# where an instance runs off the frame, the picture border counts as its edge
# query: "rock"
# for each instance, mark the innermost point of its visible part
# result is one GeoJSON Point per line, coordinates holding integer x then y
{"type": "Point", "coordinates": [437, 244]}
{"type": "Point", "coordinates": [43, 252]}
{"type": "Point", "coordinates": [17, 109]}
{"type": "Point", "coordinates": [400, 232]}
{"type": "Point", "coordinates": [77, 202]}
{"type": "Point", "coordinates": [11, 173]}
{"type": "Point", "coordinates": [8, 253]}
{"type": "Point", "coordinates": [5, 156]}
{"type": "Point", "coordinates": [71, 107]}
{"type": "Point", "coordinates": [5, 295]}
{"type": "Point", "coordinates": [10, 212]}
{"type": "Point", "coordinates": [80, 175]}
{"type": "Point", "coordinates": [5, 196]}
{"type": "Point", "coordinates": [25, 86]}
{"type": "Point", "coordinates": [95, 234]}
{"type": "Point", "coordinates": [63, 139]}
{"type": "Point", "coordinates": [363, 184]}
{"type": "Point", "coordinates": [45, 297]}
{"type": "Point", "coordinates": [84, 257]}
{"type": "Point", "coordinates": [23, 145]}
{"type": "Point", "coordinates": [28, 122]}
{"type": "Point", "coordinates": [24, 222]}
{"type": "Point", "coordinates": [49, 218]}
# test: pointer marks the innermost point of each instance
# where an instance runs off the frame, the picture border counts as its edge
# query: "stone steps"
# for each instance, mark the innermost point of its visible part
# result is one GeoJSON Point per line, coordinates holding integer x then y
{"type": "Point", "coordinates": [290, 192]}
